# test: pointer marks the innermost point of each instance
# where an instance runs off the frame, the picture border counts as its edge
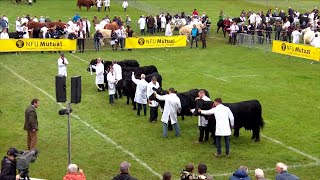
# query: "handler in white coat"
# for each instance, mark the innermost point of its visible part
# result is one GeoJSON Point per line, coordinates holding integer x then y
{"type": "Point", "coordinates": [224, 118]}
{"type": "Point", "coordinates": [111, 77]}
{"type": "Point", "coordinates": [168, 31]}
{"type": "Point", "coordinates": [171, 107]}
{"type": "Point", "coordinates": [125, 5]}
{"type": "Point", "coordinates": [118, 71]}
{"type": "Point", "coordinates": [152, 103]}
{"type": "Point", "coordinates": [62, 65]}
{"type": "Point", "coordinates": [99, 75]}
{"type": "Point", "coordinates": [141, 93]}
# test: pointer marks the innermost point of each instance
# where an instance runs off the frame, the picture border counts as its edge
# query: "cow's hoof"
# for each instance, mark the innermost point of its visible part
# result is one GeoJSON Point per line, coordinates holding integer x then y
{"type": "Point", "coordinates": [257, 140]}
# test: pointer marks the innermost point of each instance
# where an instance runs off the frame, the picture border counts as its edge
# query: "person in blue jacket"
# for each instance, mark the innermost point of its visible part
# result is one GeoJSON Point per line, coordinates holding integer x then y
{"type": "Point", "coordinates": [241, 173]}
{"type": "Point", "coordinates": [194, 35]}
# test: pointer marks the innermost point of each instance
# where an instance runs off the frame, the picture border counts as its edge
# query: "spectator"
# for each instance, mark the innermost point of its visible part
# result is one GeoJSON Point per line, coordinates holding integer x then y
{"type": "Point", "coordinates": [268, 31]}
{"type": "Point", "coordinates": [233, 33]}
{"type": "Point", "coordinates": [163, 22]}
{"type": "Point", "coordinates": [41, 19]}
{"type": "Point", "coordinates": [81, 39]}
{"type": "Point", "coordinates": [150, 24]}
{"type": "Point", "coordinates": [8, 166]}
{"type": "Point", "coordinates": [202, 172]}
{"type": "Point", "coordinates": [96, 38]}
{"type": "Point", "coordinates": [99, 5]}
{"type": "Point", "coordinates": [76, 18]}
{"type": "Point", "coordinates": [194, 36]}
{"type": "Point", "coordinates": [47, 19]}
{"type": "Point", "coordinates": [224, 118]}
{"type": "Point", "coordinates": [240, 174]}
{"type": "Point", "coordinates": [107, 5]}
{"type": "Point", "coordinates": [25, 31]}
{"type": "Point", "coordinates": [4, 34]}
{"type": "Point", "coordinates": [4, 17]}
{"type": "Point", "coordinates": [128, 20]}
{"type": "Point", "coordinates": [35, 19]}
{"type": "Point", "coordinates": [277, 29]}
{"type": "Point", "coordinates": [283, 173]}
{"type": "Point", "coordinates": [30, 2]}
{"type": "Point", "coordinates": [130, 33]}
{"type": "Point", "coordinates": [114, 40]}
{"type": "Point", "coordinates": [166, 176]}
{"type": "Point", "coordinates": [31, 124]}
{"type": "Point", "coordinates": [296, 36]}
{"type": "Point", "coordinates": [195, 13]}
{"type": "Point", "coordinates": [168, 31]}
{"type": "Point", "coordinates": [208, 25]}
{"type": "Point", "coordinates": [124, 172]}
{"type": "Point", "coordinates": [74, 173]}
{"type": "Point", "coordinates": [258, 173]}
{"type": "Point", "coordinates": [4, 23]}
{"type": "Point", "coordinates": [188, 174]}
{"type": "Point", "coordinates": [260, 30]}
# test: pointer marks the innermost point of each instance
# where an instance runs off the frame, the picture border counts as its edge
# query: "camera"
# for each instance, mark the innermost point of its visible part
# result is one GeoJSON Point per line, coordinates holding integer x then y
{"type": "Point", "coordinates": [24, 158]}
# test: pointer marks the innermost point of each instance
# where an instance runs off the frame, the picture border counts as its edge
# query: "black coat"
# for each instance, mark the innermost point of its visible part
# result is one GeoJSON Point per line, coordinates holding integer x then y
{"type": "Point", "coordinates": [123, 176]}
{"type": "Point", "coordinates": [8, 169]}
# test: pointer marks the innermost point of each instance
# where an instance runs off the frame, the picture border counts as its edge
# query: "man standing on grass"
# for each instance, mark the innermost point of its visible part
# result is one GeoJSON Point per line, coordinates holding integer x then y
{"type": "Point", "coordinates": [194, 35]}
{"type": "Point", "coordinates": [62, 65]}
{"type": "Point", "coordinates": [31, 124]}
{"type": "Point", "coordinates": [152, 103]}
{"type": "Point", "coordinates": [125, 5]}
{"type": "Point", "coordinates": [107, 5]}
{"type": "Point", "coordinates": [172, 106]}
{"type": "Point", "coordinates": [224, 118]}
{"type": "Point", "coordinates": [141, 93]}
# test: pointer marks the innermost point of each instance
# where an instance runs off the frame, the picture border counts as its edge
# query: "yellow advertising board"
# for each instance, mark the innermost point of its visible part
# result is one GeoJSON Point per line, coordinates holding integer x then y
{"type": "Point", "coordinates": [156, 42]}
{"type": "Point", "coordinates": [296, 50]}
{"type": "Point", "coordinates": [13, 45]}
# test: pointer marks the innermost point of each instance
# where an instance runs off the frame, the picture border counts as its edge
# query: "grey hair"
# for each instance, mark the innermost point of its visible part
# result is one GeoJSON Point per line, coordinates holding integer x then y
{"type": "Point", "coordinates": [72, 168]}
{"type": "Point", "coordinates": [244, 168]}
{"type": "Point", "coordinates": [282, 166]}
{"type": "Point", "coordinates": [259, 173]}
{"type": "Point", "coordinates": [143, 76]}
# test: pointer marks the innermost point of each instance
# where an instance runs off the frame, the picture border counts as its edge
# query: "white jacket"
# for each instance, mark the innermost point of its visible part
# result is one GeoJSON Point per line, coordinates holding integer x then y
{"type": "Point", "coordinates": [171, 107]}
{"type": "Point", "coordinates": [141, 91]}
{"type": "Point", "coordinates": [118, 70]}
{"type": "Point", "coordinates": [150, 92]}
{"type": "Point", "coordinates": [99, 73]}
{"type": "Point", "coordinates": [62, 67]}
{"type": "Point", "coordinates": [201, 120]}
{"type": "Point", "coordinates": [222, 114]}
{"type": "Point", "coordinates": [125, 4]}
{"type": "Point", "coordinates": [142, 23]}
{"type": "Point", "coordinates": [111, 83]}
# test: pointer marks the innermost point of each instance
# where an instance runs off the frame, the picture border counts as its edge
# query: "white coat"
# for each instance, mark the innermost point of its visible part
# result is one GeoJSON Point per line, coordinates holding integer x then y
{"type": "Point", "coordinates": [106, 3]}
{"type": "Point", "coordinates": [172, 106]}
{"type": "Point", "coordinates": [111, 77]}
{"type": "Point", "coordinates": [222, 114]}
{"type": "Point", "coordinates": [125, 4]}
{"type": "Point", "coordinates": [150, 92]}
{"type": "Point", "coordinates": [62, 67]}
{"type": "Point", "coordinates": [296, 36]}
{"type": "Point", "coordinates": [25, 32]}
{"type": "Point", "coordinates": [99, 3]}
{"type": "Point", "coordinates": [99, 73]}
{"type": "Point", "coordinates": [168, 30]}
{"type": "Point", "coordinates": [141, 90]}
{"type": "Point", "coordinates": [118, 71]}
{"type": "Point", "coordinates": [201, 120]}
{"type": "Point", "coordinates": [142, 23]}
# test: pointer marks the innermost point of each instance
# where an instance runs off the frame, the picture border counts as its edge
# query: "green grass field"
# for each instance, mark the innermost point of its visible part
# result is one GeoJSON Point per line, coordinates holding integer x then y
{"type": "Point", "coordinates": [104, 135]}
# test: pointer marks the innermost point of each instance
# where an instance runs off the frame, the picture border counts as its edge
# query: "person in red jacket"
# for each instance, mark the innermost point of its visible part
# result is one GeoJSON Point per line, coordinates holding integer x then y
{"type": "Point", "coordinates": [74, 173]}
{"type": "Point", "coordinates": [195, 13]}
{"type": "Point", "coordinates": [226, 24]}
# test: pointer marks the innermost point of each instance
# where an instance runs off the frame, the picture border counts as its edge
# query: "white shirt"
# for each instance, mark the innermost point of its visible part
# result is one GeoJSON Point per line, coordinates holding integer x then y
{"type": "Point", "coordinates": [150, 92]}
{"type": "Point", "coordinates": [18, 26]}
{"type": "Point", "coordinates": [316, 41]}
{"type": "Point", "coordinates": [6, 18]}
{"type": "Point", "coordinates": [118, 71]}
{"type": "Point", "coordinates": [125, 4]}
{"type": "Point", "coordinates": [62, 67]}
{"type": "Point", "coordinates": [25, 32]}
{"type": "Point", "coordinates": [24, 20]}
{"type": "Point", "coordinates": [172, 106]}
{"type": "Point", "coordinates": [142, 23]}
{"type": "Point", "coordinates": [296, 36]}
{"type": "Point", "coordinates": [35, 20]}
{"type": "Point", "coordinates": [252, 18]}
{"type": "Point", "coordinates": [44, 30]}
{"type": "Point", "coordinates": [70, 23]}
{"type": "Point", "coordinates": [234, 29]}
{"type": "Point", "coordinates": [99, 3]}
{"type": "Point", "coordinates": [4, 35]}
{"type": "Point", "coordinates": [168, 31]}
{"type": "Point", "coordinates": [141, 90]}
{"type": "Point", "coordinates": [222, 114]}
{"type": "Point", "coordinates": [286, 25]}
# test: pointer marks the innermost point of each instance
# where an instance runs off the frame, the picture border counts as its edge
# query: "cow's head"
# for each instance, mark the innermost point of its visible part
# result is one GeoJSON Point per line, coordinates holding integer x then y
{"type": "Point", "coordinates": [203, 105]}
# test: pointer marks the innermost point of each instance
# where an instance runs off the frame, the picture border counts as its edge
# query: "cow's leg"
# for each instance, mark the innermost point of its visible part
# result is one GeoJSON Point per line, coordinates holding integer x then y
{"type": "Point", "coordinates": [128, 98]}
{"type": "Point", "coordinates": [182, 117]}
{"type": "Point", "coordinates": [236, 132]}
{"type": "Point", "coordinates": [256, 134]}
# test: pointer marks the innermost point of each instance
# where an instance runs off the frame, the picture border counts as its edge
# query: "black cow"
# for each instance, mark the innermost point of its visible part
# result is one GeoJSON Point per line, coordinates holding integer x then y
{"type": "Point", "coordinates": [128, 87]}
{"type": "Point", "coordinates": [247, 114]}
{"type": "Point", "coordinates": [187, 100]}
{"type": "Point", "coordinates": [124, 63]}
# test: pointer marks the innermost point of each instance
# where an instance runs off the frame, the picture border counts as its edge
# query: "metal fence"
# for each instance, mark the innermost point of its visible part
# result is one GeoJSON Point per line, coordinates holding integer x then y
{"type": "Point", "coordinates": [150, 9]}
{"type": "Point", "coordinates": [254, 41]}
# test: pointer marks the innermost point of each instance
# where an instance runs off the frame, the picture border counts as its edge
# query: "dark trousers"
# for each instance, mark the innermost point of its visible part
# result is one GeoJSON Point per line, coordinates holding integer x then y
{"type": "Point", "coordinates": [260, 39]}
{"type": "Point", "coordinates": [204, 43]}
{"type": "Point", "coordinates": [233, 38]}
{"type": "Point", "coordinates": [203, 133]}
{"type": "Point", "coordinates": [194, 38]}
{"type": "Point", "coordinates": [105, 8]}
{"type": "Point", "coordinates": [144, 109]}
{"type": "Point", "coordinates": [101, 86]}
{"type": "Point", "coordinates": [143, 32]}
{"type": "Point", "coordinates": [268, 37]}
{"type": "Point", "coordinates": [81, 45]}
{"type": "Point", "coordinates": [226, 141]}
{"type": "Point", "coordinates": [121, 43]}
{"type": "Point", "coordinates": [289, 36]}
{"type": "Point", "coordinates": [32, 140]}
{"type": "Point", "coordinates": [153, 113]}
{"type": "Point", "coordinates": [277, 36]}
{"type": "Point", "coordinates": [111, 99]}
{"type": "Point", "coordinates": [150, 29]}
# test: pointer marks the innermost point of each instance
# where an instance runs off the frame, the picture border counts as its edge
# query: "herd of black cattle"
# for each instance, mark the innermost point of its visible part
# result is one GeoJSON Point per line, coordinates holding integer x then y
{"type": "Point", "coordinates": [247, 114]}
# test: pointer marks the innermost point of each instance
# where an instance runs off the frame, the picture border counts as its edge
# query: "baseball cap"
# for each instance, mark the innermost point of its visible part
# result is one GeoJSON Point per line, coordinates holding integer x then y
{"type": "Point", "coordinates": [13, 152]}
{"type": "Point", "coordinates": [124, 166]}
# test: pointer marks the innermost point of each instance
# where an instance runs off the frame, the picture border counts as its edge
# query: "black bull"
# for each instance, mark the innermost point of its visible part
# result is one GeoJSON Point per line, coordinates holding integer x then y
{"type": "Point", "coordinates": [128, 87]}
{"type": "Point", "coordinates": [187, 100]}
{"type": "Point", "coordinates": [247, 114]}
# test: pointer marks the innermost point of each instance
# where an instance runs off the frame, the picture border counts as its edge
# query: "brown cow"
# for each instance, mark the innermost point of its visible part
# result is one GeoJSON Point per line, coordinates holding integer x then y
{"type": "Point", "coordinates": [112, 26]}
{"type": "Point", "coordinates": [85, 3]}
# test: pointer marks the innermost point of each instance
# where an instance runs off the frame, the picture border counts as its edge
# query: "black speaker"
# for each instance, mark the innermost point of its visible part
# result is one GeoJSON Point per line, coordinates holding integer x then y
{"type": "Point", "coordinates": [61, 95]}
{"type": "Point", "coordinates": [76, 89]}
